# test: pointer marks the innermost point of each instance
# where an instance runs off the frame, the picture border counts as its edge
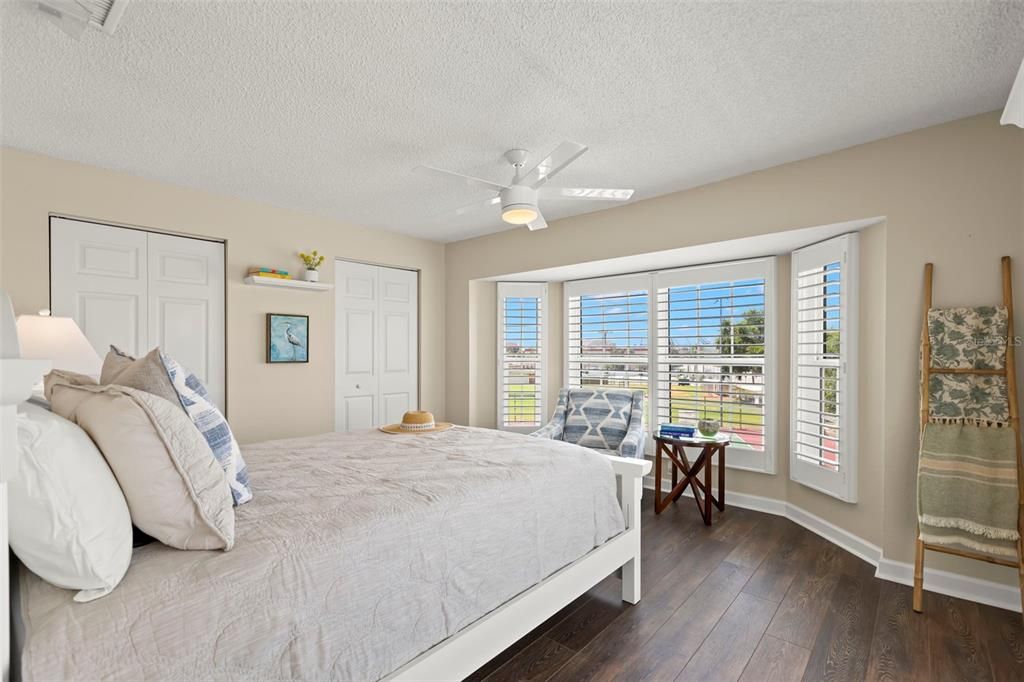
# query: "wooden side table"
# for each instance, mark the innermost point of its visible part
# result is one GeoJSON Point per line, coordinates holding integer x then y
{"type": "Point", "coordinates": [674, 449]}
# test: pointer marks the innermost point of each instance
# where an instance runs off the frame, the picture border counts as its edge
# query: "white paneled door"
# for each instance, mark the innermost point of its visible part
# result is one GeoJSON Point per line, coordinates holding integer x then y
{"type": "Point", "coordinates": [376, 336]}
{"type": "Point", "coordinates": [398, 376]}
{"type": "Point", "coordinates": [99, 276]}
{"type": "Point", "coordinates": [355, 319]}
{"type": "Point", "coordinates": [186, 306]}
{"type": "Point", "coordinates": [138, 290]}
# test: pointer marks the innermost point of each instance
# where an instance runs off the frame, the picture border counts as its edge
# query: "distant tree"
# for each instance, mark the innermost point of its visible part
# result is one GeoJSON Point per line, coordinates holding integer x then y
{"type": "Point", "coordinates": [829, 379]}
{"type": "Point", "coordinates": [745, 337]}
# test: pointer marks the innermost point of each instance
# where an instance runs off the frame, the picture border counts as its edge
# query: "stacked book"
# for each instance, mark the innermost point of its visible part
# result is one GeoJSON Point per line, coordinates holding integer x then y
{"type": "Point", "coordinates": [676, 431]}
{"type": "Point", "coordinates": [269, 272]}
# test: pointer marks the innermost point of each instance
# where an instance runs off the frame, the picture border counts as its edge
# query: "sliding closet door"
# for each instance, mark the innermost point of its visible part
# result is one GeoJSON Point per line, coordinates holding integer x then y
{"type": "Point", "coordinates": [376, 337]}
{"type": "Point", "coordinates": [99, 277]}
{"type": "Point", "coordinates": [186, 306]}
{"type": "Point", "coordinates": [138, 290]}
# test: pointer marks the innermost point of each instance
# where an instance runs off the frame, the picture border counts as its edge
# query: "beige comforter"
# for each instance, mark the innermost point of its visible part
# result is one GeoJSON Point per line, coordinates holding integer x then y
{"type": "Point", "coordinates": [358, 552]}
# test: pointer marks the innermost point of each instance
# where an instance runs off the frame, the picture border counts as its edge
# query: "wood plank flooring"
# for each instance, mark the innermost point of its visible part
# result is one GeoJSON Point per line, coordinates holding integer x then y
{"type": "Point", "coordinates": [757, 598]}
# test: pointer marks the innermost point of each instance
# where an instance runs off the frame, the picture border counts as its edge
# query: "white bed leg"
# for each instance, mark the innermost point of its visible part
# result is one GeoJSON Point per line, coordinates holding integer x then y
{"type": "Point", "coordinates": [631, 495]}
{"type": "Point", "coordinates": [631, 581]}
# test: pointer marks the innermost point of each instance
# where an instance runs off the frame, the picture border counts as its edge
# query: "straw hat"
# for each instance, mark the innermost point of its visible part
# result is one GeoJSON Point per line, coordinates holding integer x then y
{"type": "Point", "coordinates": [416, 422]}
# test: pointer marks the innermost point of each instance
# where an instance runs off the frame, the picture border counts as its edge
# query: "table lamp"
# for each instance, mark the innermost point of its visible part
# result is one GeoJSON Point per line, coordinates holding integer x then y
{"type": "Point", "coordinates": [59, 340]}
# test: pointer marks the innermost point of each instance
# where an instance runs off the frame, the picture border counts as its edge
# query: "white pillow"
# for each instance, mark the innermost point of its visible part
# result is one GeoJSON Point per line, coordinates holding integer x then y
{"type": "Point", "coordinates": [69, 522]}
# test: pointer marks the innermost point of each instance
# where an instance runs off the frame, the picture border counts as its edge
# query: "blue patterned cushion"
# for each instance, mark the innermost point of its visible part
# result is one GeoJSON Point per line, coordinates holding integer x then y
{"type": "Point", "coordinates": [212, 424]}
{"type": "Point", "coordinates": [597, 418]}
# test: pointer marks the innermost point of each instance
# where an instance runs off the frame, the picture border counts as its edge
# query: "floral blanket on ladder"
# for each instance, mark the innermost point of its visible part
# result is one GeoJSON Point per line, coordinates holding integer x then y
{"type": "Point", "coordinates": [967, 472]}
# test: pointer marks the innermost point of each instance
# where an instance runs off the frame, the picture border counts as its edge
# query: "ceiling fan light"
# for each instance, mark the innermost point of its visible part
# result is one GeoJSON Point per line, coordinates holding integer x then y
{"type": "Point", "coordinates": [519, 214]}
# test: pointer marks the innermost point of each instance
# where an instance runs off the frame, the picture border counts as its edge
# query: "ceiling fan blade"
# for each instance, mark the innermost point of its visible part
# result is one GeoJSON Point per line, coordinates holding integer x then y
{"type": "Point", "coordinates": [538, 223]}
{"type": "Point", "coordinates": [585, 193]}
{"type": "Point", "coordinates": [468, 179]}
{"type": "Point", "coordinates": [477, 205]}
{"type": "Point", "coordinates": [564, 154]}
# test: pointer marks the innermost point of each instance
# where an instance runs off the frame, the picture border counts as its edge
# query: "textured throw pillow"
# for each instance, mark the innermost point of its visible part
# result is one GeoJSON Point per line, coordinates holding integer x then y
{"type": "Point", "coordinates": [176, 491]}
{"type": "Point", "coordinates": [69, 522]}
{"type": "Point", "coordinates": [146, 373]}
{"type": "Point", "coordinates": [214, 427]}
{"type": "Point", "coordinates": [159, 374]}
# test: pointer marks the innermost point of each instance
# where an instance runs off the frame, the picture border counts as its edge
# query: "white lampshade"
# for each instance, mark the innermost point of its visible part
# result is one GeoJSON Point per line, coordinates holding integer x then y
{"type": "Point", "coordinates": [59, 340]}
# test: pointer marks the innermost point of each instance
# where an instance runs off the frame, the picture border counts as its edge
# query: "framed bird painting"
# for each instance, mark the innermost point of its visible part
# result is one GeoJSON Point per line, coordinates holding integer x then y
{"type": "Point", "coordinates": [287, 338]}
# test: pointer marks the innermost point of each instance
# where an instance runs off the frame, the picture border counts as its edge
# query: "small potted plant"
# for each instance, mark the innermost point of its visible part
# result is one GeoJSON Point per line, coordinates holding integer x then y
{"type": "Point", "coordinates": [312, 261]}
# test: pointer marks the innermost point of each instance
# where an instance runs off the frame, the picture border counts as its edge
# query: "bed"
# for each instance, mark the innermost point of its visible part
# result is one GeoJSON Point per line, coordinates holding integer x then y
{"type": "Point", "coordinates": [363, 556]}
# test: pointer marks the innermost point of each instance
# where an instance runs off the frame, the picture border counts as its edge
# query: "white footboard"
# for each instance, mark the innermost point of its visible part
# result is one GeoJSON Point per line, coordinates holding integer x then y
{"type": "Point", "coordinates": [471, 647]}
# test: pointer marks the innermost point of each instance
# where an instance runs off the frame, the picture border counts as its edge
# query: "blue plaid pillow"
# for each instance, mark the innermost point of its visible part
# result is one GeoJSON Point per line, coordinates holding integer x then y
{"type": "Point", "coordinates": [212, 424]}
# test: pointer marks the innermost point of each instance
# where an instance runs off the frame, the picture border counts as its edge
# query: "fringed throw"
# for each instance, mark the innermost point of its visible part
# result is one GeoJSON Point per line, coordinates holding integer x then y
{"type": "Point", "coordinates": [967, 488]}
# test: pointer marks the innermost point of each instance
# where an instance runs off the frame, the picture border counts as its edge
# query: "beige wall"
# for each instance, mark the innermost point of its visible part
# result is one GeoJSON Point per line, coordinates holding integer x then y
{"type": "Point", "coordinates": [950, 194]}
{"type": "Point", "coordinates": [264, 401]}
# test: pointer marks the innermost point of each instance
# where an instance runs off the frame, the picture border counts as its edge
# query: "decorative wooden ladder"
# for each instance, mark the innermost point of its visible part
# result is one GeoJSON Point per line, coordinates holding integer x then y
{"type": "Point", "coordinates": [1008, 371]}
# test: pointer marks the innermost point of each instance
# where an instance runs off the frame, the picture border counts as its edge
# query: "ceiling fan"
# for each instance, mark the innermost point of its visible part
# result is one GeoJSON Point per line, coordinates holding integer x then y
{"type": "Point", "coordinates": [519, 197]}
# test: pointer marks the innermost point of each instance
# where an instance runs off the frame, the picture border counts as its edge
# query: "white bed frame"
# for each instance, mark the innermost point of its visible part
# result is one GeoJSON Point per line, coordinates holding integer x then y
{"type": "Point", "coordinates": [465, 651]}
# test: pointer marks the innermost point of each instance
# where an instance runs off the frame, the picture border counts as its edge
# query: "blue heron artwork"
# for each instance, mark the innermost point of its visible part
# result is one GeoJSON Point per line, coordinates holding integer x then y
{"type": "Point", "coordinates": [287, 338]}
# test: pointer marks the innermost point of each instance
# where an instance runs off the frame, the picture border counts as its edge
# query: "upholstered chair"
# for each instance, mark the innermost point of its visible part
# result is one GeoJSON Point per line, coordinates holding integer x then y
{"type": "Point", "coordinates": [609, 420]}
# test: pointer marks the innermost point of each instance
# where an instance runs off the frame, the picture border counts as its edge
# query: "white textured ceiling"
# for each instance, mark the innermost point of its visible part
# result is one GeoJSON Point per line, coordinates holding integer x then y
{"type": "Point", "coordinates": [325, 106]}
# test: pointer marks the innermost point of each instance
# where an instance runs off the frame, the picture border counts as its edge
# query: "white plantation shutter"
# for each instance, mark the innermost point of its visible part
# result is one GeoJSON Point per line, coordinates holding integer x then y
{"type": "Point", "coordinates": [521, 355]}
{"type": "Point", "coordinates": [823, 452]}
{"type": "Point", "coordinates": [715, 353]}
{"type": "Point", "coordinates": [607, 331]}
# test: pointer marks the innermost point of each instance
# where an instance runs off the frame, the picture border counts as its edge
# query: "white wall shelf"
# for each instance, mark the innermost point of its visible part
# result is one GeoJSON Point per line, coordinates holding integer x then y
{"type": "Point", "coordinates": [287, 283]}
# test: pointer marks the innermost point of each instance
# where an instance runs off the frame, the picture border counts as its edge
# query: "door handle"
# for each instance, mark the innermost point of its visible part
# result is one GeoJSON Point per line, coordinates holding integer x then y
{"type": "Point", "coordinates": [358, 386]}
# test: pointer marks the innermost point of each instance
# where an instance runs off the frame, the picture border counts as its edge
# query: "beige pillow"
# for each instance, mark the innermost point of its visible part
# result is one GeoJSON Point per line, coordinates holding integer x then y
{"type": "Point", "coordinates": [63, 376]}
{"type": "Point", "coordinates": [176, 491]}
{"type": "Point", "coordinates": [146, 373]}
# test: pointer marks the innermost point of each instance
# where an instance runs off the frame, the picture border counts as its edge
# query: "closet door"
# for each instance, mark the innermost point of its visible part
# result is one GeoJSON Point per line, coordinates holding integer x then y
{"type": "Point", "coordinates": [186, 306]}
{"type": "Point", "coordinates": [376, 345]}
{"type": "Point", "coordinates": [398, 343]}
{"type": "Point", "coordinates": [138, 290]}
{"type": "Point", "coordinates": [356, 333]}
{"type": "Point", "coordinates": [99, 277]}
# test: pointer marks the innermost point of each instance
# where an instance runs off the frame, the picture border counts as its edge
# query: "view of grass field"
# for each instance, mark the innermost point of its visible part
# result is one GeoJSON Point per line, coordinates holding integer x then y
{"type": "Point", "coordinates": [689, 404]}
{"type": "Point", "coordinates": [521, 405]}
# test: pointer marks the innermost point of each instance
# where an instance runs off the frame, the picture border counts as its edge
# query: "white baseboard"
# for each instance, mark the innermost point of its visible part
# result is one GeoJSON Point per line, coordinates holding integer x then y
{"type": "Point", "coordinates": [953, 584]}
{"type": "Point", "coordinates": [943, 582]}
{"type": "Point", "coordinates": [855, 545]}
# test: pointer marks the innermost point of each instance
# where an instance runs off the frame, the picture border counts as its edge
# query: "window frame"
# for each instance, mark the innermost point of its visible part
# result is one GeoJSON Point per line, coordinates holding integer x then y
{"type": "Point", "coordinates": [763, 462]}
{"type": "Point", "coordinates": [522, 290]}
{"type": "Point", "coordinates": [598, 286]}
{"type": "Point", "coordinates": [841, 484]}
{"type": "Point", "coordinates": [765, 267]}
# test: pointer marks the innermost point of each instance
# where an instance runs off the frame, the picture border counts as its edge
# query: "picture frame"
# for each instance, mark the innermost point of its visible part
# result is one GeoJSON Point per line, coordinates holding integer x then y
{"type": "Point", "coordinates": [287, 338]}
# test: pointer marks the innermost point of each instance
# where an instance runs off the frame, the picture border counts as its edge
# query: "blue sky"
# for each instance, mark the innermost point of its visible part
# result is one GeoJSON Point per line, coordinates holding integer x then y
{"type": "Point", "coordinates": [695, 312]}
{"type": "Point", "coordinates": [519, 313]}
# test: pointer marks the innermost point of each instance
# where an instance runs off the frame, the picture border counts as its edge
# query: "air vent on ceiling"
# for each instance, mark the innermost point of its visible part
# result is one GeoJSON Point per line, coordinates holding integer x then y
{"type": "Point", "coordinates": [72, 16]}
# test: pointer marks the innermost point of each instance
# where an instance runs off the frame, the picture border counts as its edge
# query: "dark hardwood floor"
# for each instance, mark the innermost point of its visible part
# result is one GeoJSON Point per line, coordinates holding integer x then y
{"type": "Point", "coordinates": [757, 598]}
